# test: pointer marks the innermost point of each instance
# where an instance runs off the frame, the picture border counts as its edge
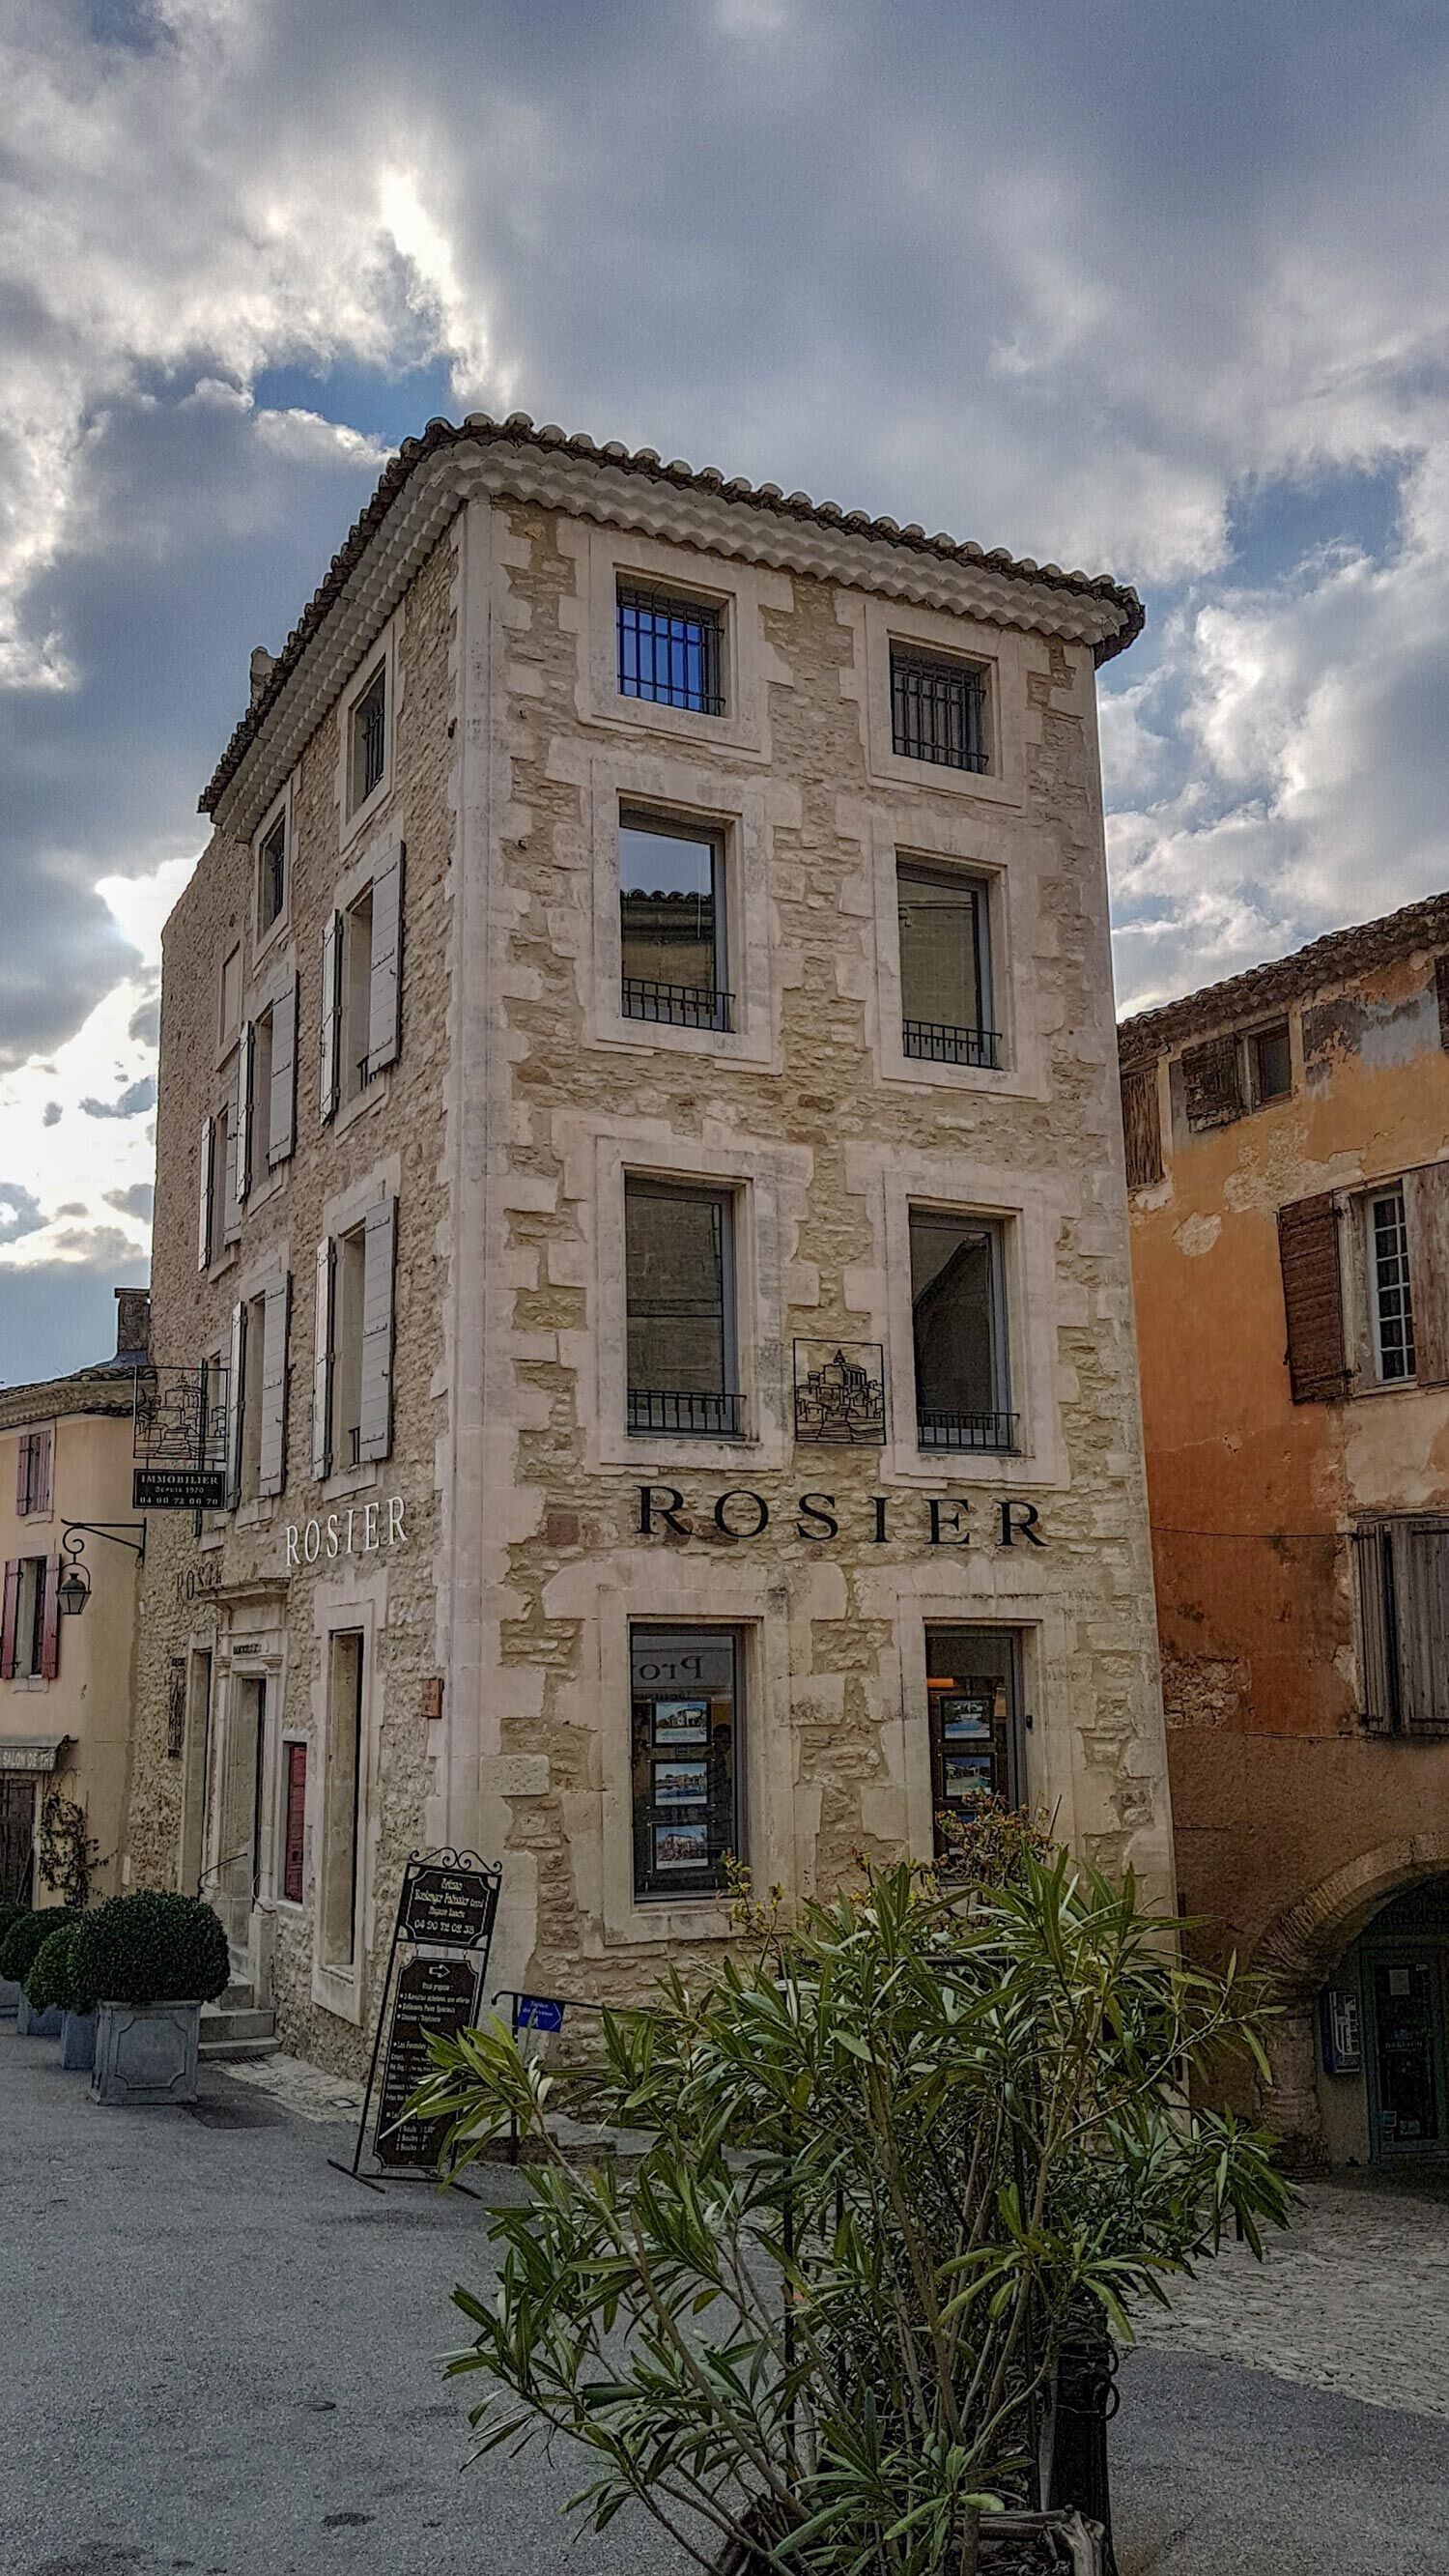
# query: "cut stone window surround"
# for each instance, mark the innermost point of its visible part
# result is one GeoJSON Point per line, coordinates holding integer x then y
{"type": "Point", "coordinates": [272, 873]}
{"type": "Point", "coordinates": [740, 812]}
{"type": "Point", "coordinates": [1004, 657]}
{"type": "Point", "coordinates": [605, 557]}
{"type": "Point", "coordinates": [352, 1605]}
{"type": "Point", "coordinates": [377, 675]}
{"type": "Point", "coordinates": [361, 968]}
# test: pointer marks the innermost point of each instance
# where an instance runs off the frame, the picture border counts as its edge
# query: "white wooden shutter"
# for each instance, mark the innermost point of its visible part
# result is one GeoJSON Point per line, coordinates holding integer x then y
{"type": "Point", "coordinates": [231, 1202]}
{"type": "Point", "coordinates": [282, 1107]}
{"type": "Point", "coordinates": [246, 1077]}
{"type": "Point", "coordinates": [236, 1399]}
{"type": "Point", "coordinates": [384, 1021]}
{"type": "Point", "coordinates": [378, 1258]}
{"type": "Point", "coordinates": [207, 1213]}
{"type": "Point", "coordinates": [1426, 1206]}
{"type": "Point", "coordinates": [275, 1322]}
{"type": "Point", "coordinates": [322, 1363]}
{"type": "Point", "coordinates": [331, 1013]}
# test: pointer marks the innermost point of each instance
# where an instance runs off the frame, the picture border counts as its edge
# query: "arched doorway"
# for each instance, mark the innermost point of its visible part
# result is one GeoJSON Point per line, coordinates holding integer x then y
{"type": "Point", "coordinates": [1403, 1962]}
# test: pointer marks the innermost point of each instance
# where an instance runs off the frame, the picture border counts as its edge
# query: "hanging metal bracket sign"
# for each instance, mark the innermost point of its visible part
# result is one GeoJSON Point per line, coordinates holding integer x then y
{"type": "Point", "coordinates": [442, 1934]}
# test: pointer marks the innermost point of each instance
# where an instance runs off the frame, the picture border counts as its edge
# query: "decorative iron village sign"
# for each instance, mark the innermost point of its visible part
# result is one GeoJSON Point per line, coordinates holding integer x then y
{"type": "Point", "coordinates": [950, 1520]}
{"type": "Point", "coordinates": [178, 1440]}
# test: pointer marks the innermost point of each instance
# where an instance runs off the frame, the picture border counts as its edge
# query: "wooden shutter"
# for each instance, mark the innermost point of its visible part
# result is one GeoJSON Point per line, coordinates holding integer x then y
{"type": "Point", "coordinates": [1142, 1126]}
{"type": "Point", "coordinates": [1426, 1208]}
{"type": "Point", "coordinates": [275, 1324]}
{"type": "Point", "coordinates": [50, 1621]}
{"type": "Point", "coordinates": [322, 1363]}
{"type": "Point", "coordinates": [1441, 988]}
{"type": "Point", "coordinates": [331, 1014]}
{"type": "Point", "coordinates": [10, 1620]}
{"type": "Point", "coordinates": [1313, 1298]}
{"type": "Point", "coordinates": [236, 1401]}
{"type": "Point", "coordinates": [231, 1211]}
{"type": "Point", "coordinates": [384, 1018]}
{"type": "Point", "coordinates": [246, 1077]}
{"type": "Point", "coordinates": [294, 1840]}
{"type": "Point", "coordinates": [379, 1251]}
{"type": "Point", "coordinates": [207, 1212]}
{"type": "Point", "coordinates": [1212, 1083]}
{"type": "Point", "coordinates": [1421, 1619]}
{"type": "Point", "coordinates": [22, 1475]}
{"type": "Point", "coordinates": [1378, 1678]}
{"type": "Point", "coordinates": [42, 1453]}
{"type": "Point", "coordinates": [282, 1107]}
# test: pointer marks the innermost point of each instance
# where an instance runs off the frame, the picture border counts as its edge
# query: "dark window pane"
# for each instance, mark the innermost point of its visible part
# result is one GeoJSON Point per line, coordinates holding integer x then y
{"type": "Point", "coordinates": [669, 909]}
{"type": "Point", "coordinates": [676, 1253]}
{"type": "Point", "coordinates": [369, 736]}
{"type": "Point", "coordinates": [669, 650]}
{"type": "Point", "coordinates": [958, 1332]}
{"type": "Point", "coordinates": [937, 711]}
{"type": "Point", "coordinates": [1272, 1064]}
{"type": "Point", "coordinates": [971, 1699]}
{"type": "Point", "coordinates": [274, 855]}
{"type": "Point", "coordinates": [685, 1738]}
{"type": "Point", "coordinates": [941, 982]}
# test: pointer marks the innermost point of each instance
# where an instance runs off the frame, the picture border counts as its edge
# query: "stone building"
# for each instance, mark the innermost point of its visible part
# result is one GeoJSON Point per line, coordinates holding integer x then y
{"type": "Point", "coordinates": [639, 1150]}
{"type": "Point", "coordinates": [1288, 1159]}
{"type": "Point", "coordinates": [65, 1680]}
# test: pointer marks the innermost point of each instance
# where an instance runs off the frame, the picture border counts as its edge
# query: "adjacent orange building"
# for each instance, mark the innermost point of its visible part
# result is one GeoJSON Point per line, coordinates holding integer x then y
{"type": "Point", "coordinates": [1288, 1162]}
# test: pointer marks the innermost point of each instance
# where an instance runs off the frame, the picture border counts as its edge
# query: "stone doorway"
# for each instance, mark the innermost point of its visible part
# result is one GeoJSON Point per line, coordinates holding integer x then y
{"type": "Point", "coordinates": [240, 1814]}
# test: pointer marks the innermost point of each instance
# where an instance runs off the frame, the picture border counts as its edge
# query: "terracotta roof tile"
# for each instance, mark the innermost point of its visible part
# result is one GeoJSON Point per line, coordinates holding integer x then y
{"type": "Point", "coordinates": [1335, 959]}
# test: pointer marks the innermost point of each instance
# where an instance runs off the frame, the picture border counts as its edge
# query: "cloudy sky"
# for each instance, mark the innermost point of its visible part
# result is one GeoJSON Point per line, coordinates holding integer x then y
{"type": "Point", "coordinates": [1147, 288]}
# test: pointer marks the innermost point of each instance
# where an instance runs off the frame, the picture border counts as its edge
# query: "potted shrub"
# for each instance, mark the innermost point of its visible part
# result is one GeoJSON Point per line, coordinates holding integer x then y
{"type": "Point", "coordinates": [10, 1914]}
{"type": "Point", "coordinates": [53, 1977]}
{"type": "Point", "coordinates": [18, 1953]}
{"type": "Point", "coordinates": [892, 2153]}
{"type": "Point", "coordinates": [151, 1960]}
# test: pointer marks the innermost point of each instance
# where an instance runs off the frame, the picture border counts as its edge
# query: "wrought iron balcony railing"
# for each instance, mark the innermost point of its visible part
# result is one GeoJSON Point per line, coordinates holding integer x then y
{"type": "Point", "coordinates": [934, 1042]}
{"type": "Point", "coordinates": [679, 1006]}
{"type": "Point", "coordinates": [936, 1430]}
{"type": "Point", "coordinates": [714, 1415]}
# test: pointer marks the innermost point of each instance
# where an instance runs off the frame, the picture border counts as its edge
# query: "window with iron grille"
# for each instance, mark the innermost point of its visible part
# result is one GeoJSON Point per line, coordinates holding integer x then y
{"type": "Point", "coordinates": [672, 923]}
{"type": "Point", "coordinates": [938, 710]}
{"type": "Point", "coordinates": [272, 874]}
{"type": "Point", "coordinates": [686, 1707]}
{"type": "Point", "coordinates": [1391, 1293]}
{"type": "Point", "coordinates": [945, 953]}
{"type": "Point", "coordinates": [958, 1319]}
{"type": "Point", "coordinates": [679, 1269]}
{"type": "Point", "coordinates": [670, 650]}
{"type": "Point", "coordinates": [369, 737]}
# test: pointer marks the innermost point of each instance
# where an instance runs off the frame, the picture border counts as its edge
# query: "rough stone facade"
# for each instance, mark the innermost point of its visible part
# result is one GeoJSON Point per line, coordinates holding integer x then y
{"type": "Point", "coordinates": [520, 1101]}
{"type": "Point", "coordinates": [1305, 1791]}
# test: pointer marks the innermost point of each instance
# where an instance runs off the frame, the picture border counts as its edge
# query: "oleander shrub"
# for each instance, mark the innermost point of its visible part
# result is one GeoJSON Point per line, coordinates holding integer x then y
{"type": "Point", "coordinates": [25, 1939]}
{"type": "Point", "coordinates": [53, 1980]}
{"type": "Point", "coordinates": [152, 1947]}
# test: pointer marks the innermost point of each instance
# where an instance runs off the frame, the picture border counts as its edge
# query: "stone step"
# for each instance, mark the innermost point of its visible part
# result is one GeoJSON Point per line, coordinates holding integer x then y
{"type": "Point", "coordinates": [237, 1997]}
{"type": "Point", "coordinates": [223, 2052]}
{"type": "Point", "coordinates": [236, 2021]}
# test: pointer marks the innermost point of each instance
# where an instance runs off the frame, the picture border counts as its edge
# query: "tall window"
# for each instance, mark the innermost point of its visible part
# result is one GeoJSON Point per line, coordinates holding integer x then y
{"type": "Point", "coordinates": [671, 920]}
{"type": "Point", "coordinates": [686, 1695]}
{"type": "Point", "coordinates": [253, 1346]}
{"type": "Point", "coordinates": [1393, 1312]}
{"type": "Point", "coordinates": [348, 1285]}
{"type": "Point", "coordinates": [356, 996]}
{"type": "Point", "coordinates": [32, 1474]}
{"type": "Point", "coordinates": [938, 710]}
{"type": "Point", "coordinates": [272, 873]}
{"type": "Point", "coordinates": [30, 1628]}
{"type": "Point", "coordinates": [958, 1301]}
{"type": "Point", "coordinates": [369, 737]}
{"type": "Point", "coordinates": [945, 967]}
{"type": "Point", "coordinates": [971, 1691]}
{"type": "Point", "coordinates": [342, 1801]}
{"type": "Point", "coordinates": [670, 650]}
{"type": "Point", "coordinates": [679, 1261]}
{"type": "Point", "coordinates": [294, 1821]}
{"type": "Point", "coordinates": [1270, 1065]}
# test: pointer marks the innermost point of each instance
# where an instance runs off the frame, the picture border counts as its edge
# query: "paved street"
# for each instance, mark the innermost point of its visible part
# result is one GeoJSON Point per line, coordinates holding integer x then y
{"type": "Point", "coordinates": [220, 2359]}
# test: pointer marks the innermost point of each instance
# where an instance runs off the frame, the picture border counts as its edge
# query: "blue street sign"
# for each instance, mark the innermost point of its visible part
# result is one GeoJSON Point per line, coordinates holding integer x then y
{"type": "Point", "coordinates": [538, 2012]}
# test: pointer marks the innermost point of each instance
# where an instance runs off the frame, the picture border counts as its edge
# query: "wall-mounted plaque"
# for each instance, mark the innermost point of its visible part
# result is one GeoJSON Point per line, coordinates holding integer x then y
{"type": "Point", "coordinates": [452, 1908]}
{"type": "Point", "coordinates": [178, 1489]}
{"type": "Point", "coordinates": [840, 1393]}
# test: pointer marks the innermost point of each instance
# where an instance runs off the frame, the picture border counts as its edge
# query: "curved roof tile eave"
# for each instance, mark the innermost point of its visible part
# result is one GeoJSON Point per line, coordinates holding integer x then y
{"type": "Point", "coordinates": [520, 430]}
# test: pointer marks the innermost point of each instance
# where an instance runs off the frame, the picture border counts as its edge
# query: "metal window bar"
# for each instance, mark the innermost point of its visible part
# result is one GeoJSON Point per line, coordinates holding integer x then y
{"type": "Point", "coordinates": [933, 1042]}
{"type": "Point", "coordinates": [371, 720]}
{"type": "Point", "coordinates": [679, 1006]}
{"type": "Point", "coordinates": [938, 712]}
{"type": "Point", "coordinates": [936, 1430]}
{"type": "Point", "coordinates": [669, 651]}
{"type": "Point", "coordinates": [714, 1415]}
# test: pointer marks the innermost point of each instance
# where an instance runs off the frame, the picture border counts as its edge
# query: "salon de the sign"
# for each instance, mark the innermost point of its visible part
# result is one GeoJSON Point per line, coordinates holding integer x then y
{"type": "Point", "coordinates": [938, 1520]}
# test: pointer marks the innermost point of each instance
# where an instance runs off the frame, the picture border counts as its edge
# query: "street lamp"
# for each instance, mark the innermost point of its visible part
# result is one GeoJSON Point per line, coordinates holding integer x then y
{"type": "Point", "coordinates": [73, 1590]}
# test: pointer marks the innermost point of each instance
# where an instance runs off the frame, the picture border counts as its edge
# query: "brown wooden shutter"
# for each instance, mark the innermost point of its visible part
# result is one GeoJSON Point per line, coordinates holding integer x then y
{"type": "Point", "coordinates": [1441, 987]}
{"type": "Point", "coordinates": [1212, 1083]}
{"type": "Point", "coordinates": [378, 1261]}
{"type": "Point", "coordinates": [1421, 1618]}
{"type": "Point", "coordinates": [294, 1843]}
{"type": "Point", "coordinates": [50, 1621]}
{"type": "Point", "coordinates": [10, 1620]}
{"type": "Point", "coordinates": [384, 1020]}
{"type": "Point", "coordinates": [1313, 1298]}
{"type": "Point", "coordinates": [41, 1447]}
{"type": "Point", "coordinates": [282, 1107]}
{"type": "Point", "coordinates": [1426, 1207]}
{"type": "Point", "coordinates": [1378, 1679]}
{"type": "Point", "coordinates": [22, 1475]}
{"type": "Point", "coordinates": [1142, 1126]}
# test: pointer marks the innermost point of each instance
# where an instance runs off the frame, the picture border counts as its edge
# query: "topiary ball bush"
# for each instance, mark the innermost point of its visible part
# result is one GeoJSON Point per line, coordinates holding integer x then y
{"type": "Point", "coordinates": [11, 1911]}
{"type": "Point", "coordinates": [25, 1939]}
{"type": "Point", "coordinates": [51, 1980]}
{"type": "Point", "coordinates": [152, 1947]}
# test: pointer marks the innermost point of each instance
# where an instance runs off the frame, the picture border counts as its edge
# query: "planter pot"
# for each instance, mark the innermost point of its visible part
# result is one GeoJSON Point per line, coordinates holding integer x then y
{"type": "Point", "coordinates": [9, 1998]}
{"type": "Point", "coordinates": [78, 2042]}
{"type": "Point", "coordinates": [37, 2025]}
{"type": "Point", "coordinates": [146, 2054]}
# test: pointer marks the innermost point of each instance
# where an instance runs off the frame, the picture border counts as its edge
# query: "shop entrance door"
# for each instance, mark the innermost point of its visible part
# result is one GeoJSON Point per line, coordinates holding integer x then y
{"type": "Point", "coordinates": [1407, 2055]}
{"type": "Point", "coordinates": [17, 1839]}
{"type": "Point", "coordinates": [239, 1842]}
